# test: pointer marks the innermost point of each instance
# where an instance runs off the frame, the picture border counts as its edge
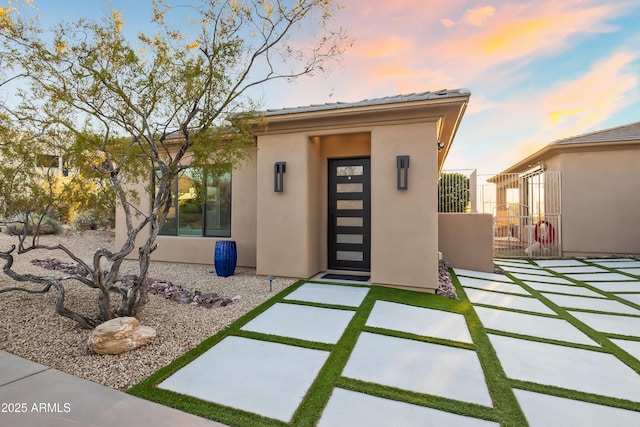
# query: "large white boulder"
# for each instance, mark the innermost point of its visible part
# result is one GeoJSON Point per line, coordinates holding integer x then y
{"type": "Point", "coordinates": [119, 335]}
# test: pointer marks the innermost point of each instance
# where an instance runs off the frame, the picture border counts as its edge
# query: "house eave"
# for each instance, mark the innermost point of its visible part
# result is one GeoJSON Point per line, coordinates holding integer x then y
{"type": "Point", "coordinates": [554, 149]}
{"type": "Point", "coordinates": [446, 112]}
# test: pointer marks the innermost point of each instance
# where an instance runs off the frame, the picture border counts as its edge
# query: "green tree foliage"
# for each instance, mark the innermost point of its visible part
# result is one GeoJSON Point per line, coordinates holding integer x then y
{"type": "Point", "coordinates": [453, 192]}
{"type": "Point", "coordinates": [118, 108]}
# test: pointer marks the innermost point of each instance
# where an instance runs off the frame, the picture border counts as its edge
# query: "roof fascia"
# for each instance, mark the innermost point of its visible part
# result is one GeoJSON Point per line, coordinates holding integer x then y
{"type": "Point", "coordinates": [554, 149]}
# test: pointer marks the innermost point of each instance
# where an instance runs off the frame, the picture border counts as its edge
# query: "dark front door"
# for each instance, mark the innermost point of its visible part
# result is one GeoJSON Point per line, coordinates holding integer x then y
{"type": "Point", "coordinates": [349, 232]}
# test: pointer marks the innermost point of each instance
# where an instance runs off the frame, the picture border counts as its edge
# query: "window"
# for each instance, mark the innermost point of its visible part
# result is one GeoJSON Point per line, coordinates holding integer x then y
{"type": "Point", "coordinates": [47, 161]}
{"type": "Point", "coordinates": [201, 204]}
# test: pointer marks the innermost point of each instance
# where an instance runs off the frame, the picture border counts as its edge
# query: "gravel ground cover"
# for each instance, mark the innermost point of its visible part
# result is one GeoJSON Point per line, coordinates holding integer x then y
{"type": "Point", "coordinates": [30, 328]}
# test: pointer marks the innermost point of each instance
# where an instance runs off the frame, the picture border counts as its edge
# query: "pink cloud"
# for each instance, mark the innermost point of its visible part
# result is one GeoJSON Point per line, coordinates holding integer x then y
{"type": "Point", "coordinates": [524, 31]}
{"type": "Point", "coordinates": [411, 46]}
{"type": "Point", "coordinates": [477, 17]}
{"type": "Point", "coordinates": [447, 22]}
{"type": "Point", "coordinates": [442, 41]}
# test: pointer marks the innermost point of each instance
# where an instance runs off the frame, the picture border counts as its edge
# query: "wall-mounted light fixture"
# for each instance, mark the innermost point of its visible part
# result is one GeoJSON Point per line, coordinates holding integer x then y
{"type": "Point", "coordinates": [403, 172]}
{"type": "Point", "coordinates": [440, 145]}
{"type": "Point", "coordinates": [279, 168]}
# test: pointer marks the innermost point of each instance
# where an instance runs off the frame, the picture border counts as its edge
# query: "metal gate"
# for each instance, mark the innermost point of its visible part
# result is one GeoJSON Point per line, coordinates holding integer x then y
{"type": "Point", "coordinates": [526, 209]}
{"type": "Point", "coordinates": [526, 212]}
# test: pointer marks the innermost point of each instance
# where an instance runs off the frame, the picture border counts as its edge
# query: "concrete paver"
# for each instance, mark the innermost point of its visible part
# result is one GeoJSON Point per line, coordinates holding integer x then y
{"type": "Point", "coordinates": [610, 323]}
{"type": "Point", "coordinates": [532, 325]}
{"type": "Point", "coordinates": [418, 366]}
{"type": "Point", "coordinates": [620, 264]}
{"type": "Point", "coordinates": [563, 289]}
{"type": "Point", "coordinates": [630, 286]}
{"type": "Point", "coordinates": [515, 263]}
{"type": "Point", "coordinates": [482, 275]}
{"type": "Point", "coordinates": [543, 410]}
{"type": "Point", "coordinates": [587, 303]}
{"type": "Point", "coordinates": [578, 269]}
{"type": "Point", "coordinates": [566, 367]}
{"type": "Point", "coordinates": [545, 279]}
{"type": "Point", "coordinates": [323, 293]}
{"type": "Point", "coordinates": [262, 377]}
{"type": "Point", "coordinates": [419, 321]}
{"type": "Point", "coordinates": [510, 260]}
{"type": "Point", "coordinates": [348, 408]}
{"type": "Point", "coordinates": [607, 260]}
{"type": "Point", "coordinates": [490, 285]}
{"type": "Point", "coordinates": [634, 298]}
{"type": "Point", "coordinates": [631, 347]}
{"type": "Point", "coordinates": [515, 302]}
{"type": "Point", "coordinates": [598, 277]}
{"type": "Point", "coordinates": [318, 324]}
{"type": "Point", "coordinates": [559, 262]}
{"type": "Point", "coordinates": [532, 270]}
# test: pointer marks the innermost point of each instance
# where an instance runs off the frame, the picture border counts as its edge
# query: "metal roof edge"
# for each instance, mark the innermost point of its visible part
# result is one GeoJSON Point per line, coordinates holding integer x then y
{"type": "Point", "coordinates": [579, 139]}
{"type": "Point", "coordinates": [396, 99]}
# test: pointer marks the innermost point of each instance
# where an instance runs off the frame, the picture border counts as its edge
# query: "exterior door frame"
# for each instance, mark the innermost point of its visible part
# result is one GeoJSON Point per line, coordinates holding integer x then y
{"type": "Point", "coordinates": [349, 214]}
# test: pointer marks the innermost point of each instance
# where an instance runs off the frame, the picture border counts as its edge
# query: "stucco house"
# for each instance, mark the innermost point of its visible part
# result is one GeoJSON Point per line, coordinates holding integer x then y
{"type": "Point", "coordinates": [341, 186]}
{"type": "Point", "coordinates": [599, 197]}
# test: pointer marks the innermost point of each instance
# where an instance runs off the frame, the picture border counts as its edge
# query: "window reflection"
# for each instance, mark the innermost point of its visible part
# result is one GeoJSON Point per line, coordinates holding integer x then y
{"type": "Point", "coordinates": [201, 204]}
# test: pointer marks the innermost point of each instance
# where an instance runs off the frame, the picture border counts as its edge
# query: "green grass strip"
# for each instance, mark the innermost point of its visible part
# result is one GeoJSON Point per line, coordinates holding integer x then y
{"type": "Point", "coordinates": [576, 395]}
{"type": "Point", "coordinates": [320, 391]}
{"type": "Point", "coordinates": [420, 338]}
{"type": "Point", "coordinates": [599, 337]}
{"type": "Point", "coordinates": [431, 401]}
{"type": "Point", "coordinates": [506, 404]}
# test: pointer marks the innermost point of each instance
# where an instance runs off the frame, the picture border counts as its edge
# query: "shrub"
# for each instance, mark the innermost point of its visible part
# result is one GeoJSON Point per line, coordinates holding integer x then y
{"type": "Point", "coordinates": [92, 220]}
{"type": "Point", "coordinates": [48, 225]}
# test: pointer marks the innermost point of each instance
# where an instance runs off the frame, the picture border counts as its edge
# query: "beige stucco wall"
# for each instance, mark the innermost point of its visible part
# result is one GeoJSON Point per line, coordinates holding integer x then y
{"type": "Point", "coordinates": [292, 225]}
{"type": "Point", "coordinates": [600, 202]}
{"type": "Point", "coordinates": [404, 235]}
{"type": "Point", "coordinates": [466, 240]}
{"type": "Point", "coordinates": [283, 219]}
{"type": "Point", "coordinates": [199, 250]}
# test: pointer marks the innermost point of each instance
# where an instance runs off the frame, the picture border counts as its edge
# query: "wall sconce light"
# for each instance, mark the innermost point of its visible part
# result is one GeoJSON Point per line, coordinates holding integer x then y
{"type": "Point", "coordinates": [279, 168]}
{"type": "Point", "coordinates": [403, 172]}
{"type": "Point", "coordinates": [440, 145]}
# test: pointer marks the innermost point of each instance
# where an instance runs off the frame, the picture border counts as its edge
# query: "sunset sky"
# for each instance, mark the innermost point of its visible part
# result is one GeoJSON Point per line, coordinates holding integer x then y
{"type": "Point", "coordinates": [538, 70]}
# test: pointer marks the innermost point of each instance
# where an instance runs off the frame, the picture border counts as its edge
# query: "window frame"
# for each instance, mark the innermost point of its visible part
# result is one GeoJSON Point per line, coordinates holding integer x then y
{"type": "Point", "coordinates": [204, 231]}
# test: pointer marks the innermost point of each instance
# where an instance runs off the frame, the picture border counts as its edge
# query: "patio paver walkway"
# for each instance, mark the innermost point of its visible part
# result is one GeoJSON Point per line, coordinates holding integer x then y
{"type": "Point", "coordinates": [546, 330]}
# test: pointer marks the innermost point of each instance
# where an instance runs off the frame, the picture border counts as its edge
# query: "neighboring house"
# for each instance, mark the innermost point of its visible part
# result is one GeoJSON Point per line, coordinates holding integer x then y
{"type": "Point", "coordinates": [343, 186]}
{"type": "Point", "coordinates": [599, 172]}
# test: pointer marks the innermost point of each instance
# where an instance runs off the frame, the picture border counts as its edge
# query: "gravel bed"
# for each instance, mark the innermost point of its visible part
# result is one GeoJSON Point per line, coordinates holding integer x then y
{"type": "Point", "coordinates": [30, 328]}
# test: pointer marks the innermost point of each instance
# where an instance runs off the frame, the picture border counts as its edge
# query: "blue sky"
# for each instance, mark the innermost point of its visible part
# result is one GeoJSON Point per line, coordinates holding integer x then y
{"type": "Point", "coordinates": [538, 70]}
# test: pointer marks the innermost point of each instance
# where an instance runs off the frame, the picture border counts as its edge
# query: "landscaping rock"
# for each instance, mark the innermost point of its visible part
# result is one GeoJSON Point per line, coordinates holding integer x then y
{"type": "Point", "coordinates": [170, 290]}
{"type": "Point", "coordinates": [119, 335]}
{"type": "Point", "coordinates": [445, 285]}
